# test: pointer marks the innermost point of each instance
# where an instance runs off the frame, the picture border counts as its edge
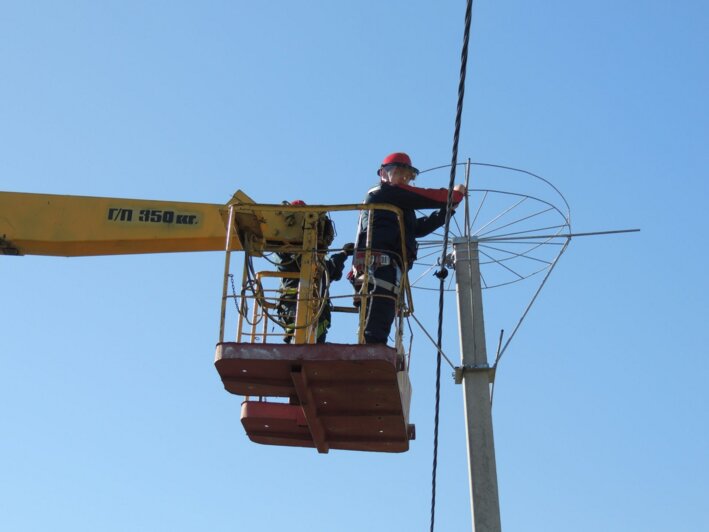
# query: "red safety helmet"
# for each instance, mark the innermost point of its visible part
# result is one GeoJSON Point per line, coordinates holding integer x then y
{"type": "Point", "coordinates": [297, 202]}
{"type": "Point", "coordinates": [397, 159]}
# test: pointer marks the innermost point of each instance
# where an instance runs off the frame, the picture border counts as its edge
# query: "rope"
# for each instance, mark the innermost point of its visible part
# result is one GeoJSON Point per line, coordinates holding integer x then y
{"type": "Point", "coordinates": [442, 273]}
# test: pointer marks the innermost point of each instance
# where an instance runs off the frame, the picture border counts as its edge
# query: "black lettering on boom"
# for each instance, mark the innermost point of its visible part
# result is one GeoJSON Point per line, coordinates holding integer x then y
{"type": "Point", "coordinates": [120, 215]}
{"type": "Point", "coordinates": [153, 216]}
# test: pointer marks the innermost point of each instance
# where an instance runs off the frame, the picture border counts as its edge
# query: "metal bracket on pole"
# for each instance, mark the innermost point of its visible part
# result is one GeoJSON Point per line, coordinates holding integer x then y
{"type": "Point", "coordinates": [460, 371]}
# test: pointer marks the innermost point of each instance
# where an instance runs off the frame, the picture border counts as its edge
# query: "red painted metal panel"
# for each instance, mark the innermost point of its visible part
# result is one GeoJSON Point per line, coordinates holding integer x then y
{"type": "Point", "coordinates": [264, 369]}
{"type": "Point", "coordinates": [284, 424]}
{"type": "Point", "coordinates": [351, 394]}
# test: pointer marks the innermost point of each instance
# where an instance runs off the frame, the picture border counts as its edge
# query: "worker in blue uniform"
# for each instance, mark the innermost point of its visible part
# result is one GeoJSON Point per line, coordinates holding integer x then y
{"type": "Point", "coordinates": [396, 173]}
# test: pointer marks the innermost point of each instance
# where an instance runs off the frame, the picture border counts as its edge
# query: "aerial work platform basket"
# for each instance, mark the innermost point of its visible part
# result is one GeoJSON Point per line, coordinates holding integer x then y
{"type": "Point", "coordinates": [306, 394]}
{"type": "Point", "coordinates": [342, 396]}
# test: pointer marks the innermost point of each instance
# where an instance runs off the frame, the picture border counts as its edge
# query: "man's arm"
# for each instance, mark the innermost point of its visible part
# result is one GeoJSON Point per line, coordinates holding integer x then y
{"type": "Point", "coordinates": [336, 263]}
{"type": "Point", "coordinates": [408, 197]}
{"type": "Point", "coordinates": [426, 225]}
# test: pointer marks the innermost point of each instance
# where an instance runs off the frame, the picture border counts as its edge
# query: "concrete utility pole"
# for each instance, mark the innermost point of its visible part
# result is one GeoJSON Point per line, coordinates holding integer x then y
{"type": "Point", "coordinates": [475, 375]}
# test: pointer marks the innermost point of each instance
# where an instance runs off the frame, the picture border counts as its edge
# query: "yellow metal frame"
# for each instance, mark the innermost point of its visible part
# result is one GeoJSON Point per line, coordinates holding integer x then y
{"type": "Point", "coordinates": [294, 229]}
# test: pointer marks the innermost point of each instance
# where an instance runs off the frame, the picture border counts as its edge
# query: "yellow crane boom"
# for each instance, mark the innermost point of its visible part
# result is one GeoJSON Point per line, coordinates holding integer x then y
{"type": "Point", "coordinates": [71, 226]}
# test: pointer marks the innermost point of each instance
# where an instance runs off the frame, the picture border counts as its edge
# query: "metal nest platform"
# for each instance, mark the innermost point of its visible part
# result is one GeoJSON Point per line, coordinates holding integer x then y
{"type": "Point", "coordinates": [342, 396]}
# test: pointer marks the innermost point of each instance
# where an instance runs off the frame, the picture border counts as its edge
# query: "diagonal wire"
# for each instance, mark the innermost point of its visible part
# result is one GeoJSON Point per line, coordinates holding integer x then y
{"type": "Point", "coordinates": [440, 351]}
{"type": "Point", "coordinates": [529, 306]}
{"type": "Point", "coordinates": [449, 205]}
{"type": "Point", "coordinates": [425, 273]}
{"type": "Point", "coordinates": [477, 212]}
{"type": "Point", "coordinates": [501, 250]}
{"type": "Point", "coordinates": [457, 227]}
{"type": "Point", "coordinates": [502, 265]}
{"type": "Point", "coordinates": [482, 280]}
{"type": "Point", "coordinates": [516, 221]}
{"type": "Point", "coordinates": [429, 254]}
{"type": "Point", "coordinates": [476, 233]}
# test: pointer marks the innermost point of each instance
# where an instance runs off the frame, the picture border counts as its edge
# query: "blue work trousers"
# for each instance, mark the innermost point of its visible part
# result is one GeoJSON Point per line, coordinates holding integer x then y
{"type": "Point", "coordinates": [381, 307]}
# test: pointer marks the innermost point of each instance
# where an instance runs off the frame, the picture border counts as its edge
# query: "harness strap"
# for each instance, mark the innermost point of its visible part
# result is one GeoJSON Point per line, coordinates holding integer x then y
{"type": "Point", "coordinates": [358, 280]}
{"type": "Point", "coordinates": [387, 285]}
{"type": "Point", "coordinates": [376, 259]}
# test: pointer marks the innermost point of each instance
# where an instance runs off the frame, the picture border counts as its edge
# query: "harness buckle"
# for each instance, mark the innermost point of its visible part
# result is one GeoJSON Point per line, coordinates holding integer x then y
{"type": "Point", "coordinates": [376, 259]}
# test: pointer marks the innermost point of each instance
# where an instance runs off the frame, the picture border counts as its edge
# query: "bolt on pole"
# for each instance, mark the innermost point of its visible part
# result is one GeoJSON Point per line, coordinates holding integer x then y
{"type": "Point", "coordinates": [476, 375]}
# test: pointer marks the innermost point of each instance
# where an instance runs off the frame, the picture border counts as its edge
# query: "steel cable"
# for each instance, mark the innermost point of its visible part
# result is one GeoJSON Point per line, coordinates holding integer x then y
{"type": "Point", "coordinates": [442, 273]}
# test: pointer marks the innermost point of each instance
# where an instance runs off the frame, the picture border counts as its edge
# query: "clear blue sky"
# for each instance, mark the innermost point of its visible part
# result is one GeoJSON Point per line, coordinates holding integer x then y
{"type": "Point", "coordinates": [113, 417]}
